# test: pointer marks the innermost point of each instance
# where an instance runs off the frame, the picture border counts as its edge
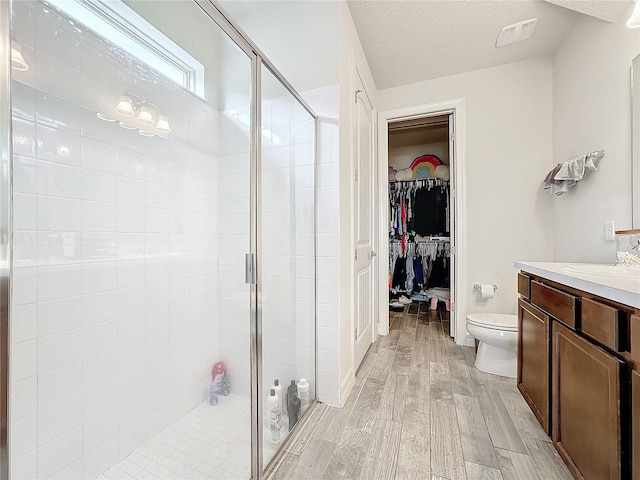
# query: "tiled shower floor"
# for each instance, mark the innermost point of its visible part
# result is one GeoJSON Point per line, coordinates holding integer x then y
{"type": "Point", "coordinates": [206, 443]}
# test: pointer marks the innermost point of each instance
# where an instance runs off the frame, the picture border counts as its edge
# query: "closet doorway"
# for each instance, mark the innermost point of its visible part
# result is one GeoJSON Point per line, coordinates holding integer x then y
{"type": "Point", "coordinates": [421, 158]}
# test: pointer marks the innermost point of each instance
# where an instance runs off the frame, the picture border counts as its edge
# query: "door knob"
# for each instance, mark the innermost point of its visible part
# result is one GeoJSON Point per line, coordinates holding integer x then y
{"type": "Point", "coordinates": [372, 254]}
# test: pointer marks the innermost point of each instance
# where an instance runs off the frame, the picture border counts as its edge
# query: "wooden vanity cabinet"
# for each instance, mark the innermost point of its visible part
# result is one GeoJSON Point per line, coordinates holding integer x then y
{"type": "Point", "coordinates": [533, 360]}
{"type": "Point", "coordinates": [579, 371]}
{"type": "Point", "coordinates": [586, 401]}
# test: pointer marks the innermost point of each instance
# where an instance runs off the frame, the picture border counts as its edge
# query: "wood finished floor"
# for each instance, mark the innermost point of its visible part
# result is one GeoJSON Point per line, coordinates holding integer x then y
{"type": "Point", "coordinates": [421, 410]}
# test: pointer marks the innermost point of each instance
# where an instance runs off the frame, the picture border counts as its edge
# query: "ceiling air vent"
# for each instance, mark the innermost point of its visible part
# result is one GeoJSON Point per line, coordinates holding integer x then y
{"type": "Point", "coordinates": [518, 32]}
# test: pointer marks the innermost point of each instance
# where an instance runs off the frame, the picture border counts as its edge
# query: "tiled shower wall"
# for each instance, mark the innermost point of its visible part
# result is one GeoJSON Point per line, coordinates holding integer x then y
{"type": "Point", "coordinates": [113, 321]}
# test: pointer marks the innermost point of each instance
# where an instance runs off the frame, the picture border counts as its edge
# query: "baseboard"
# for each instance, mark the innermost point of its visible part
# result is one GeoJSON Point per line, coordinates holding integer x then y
{"type": "Point", "coordinates": [347, 385]}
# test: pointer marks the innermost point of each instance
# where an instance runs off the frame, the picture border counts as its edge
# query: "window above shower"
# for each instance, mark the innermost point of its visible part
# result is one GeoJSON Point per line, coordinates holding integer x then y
{"type": "Point", "coordinates": [124, 28]}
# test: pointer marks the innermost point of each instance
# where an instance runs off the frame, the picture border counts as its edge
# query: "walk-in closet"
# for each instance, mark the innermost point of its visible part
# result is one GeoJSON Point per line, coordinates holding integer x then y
{"type": "Point", "coordinates": [420, 212]}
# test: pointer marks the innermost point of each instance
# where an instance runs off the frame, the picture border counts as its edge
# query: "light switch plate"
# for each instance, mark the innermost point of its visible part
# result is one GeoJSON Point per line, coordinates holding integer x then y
{"type": "Point", "coordinates": [609, 231]}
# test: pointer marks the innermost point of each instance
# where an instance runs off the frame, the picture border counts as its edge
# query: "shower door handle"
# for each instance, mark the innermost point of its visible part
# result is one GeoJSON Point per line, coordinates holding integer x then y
{"type": "Point", "coordinates": [250, 267]}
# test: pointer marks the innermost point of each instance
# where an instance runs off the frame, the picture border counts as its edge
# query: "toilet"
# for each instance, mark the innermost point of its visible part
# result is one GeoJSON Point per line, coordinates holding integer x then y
{"type": "Point", "coordinates": [498, 337]}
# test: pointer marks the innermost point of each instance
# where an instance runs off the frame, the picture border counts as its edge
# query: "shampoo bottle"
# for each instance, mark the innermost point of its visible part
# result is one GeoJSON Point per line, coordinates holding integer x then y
{"type": "Point", "coordinates": [303, 392]}
{"type": "Point", "coordinates": [293, 404]}
{"type": "Point", "coordinates": [275, 424]}
{"type": "Point", "coordinates": [283, 402]}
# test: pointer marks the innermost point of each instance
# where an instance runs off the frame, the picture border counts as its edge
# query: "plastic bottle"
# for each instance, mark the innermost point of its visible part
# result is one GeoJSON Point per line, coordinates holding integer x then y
{"type": "Point", "coordinates": [275, 423]}
{"type": "Point", "coordinates": [293, 404]}
{"type": "Point", "coordinates": [213, 394]}
{"type": "Point", "coordinates": [303, 392]}
{"type": "Point", "coordinates": [278, 388]}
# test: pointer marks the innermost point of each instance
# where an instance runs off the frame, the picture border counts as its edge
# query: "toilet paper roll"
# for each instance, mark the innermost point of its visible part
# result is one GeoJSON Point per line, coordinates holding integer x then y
{"type": "Point", "coordinates": [486, 290]}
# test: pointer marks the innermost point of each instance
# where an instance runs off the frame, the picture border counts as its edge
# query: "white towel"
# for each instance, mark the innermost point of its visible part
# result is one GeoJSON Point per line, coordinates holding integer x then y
{"type": "Point", "coordinates": [572, 170]}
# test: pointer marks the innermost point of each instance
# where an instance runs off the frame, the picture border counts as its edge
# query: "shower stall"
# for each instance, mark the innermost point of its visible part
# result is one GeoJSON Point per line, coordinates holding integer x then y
{"type": "Point", "coordinates": [157, 234]}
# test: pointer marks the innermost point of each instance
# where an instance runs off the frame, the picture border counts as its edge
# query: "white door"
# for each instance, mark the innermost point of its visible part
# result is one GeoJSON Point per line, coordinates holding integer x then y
{"type": "Point", "coordinates": [452, 231]}
{"type": "Point", "coordinates": [364, 177]}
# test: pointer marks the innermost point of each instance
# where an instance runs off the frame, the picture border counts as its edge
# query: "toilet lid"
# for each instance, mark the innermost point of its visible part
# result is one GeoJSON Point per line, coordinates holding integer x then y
{"type": "Point", "coordinates": [495, 321]}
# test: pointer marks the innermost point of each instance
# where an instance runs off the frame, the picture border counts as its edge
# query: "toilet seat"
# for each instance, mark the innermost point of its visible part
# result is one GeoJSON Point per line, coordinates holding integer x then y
{"type": "Point", "coordinates": [494, 321]}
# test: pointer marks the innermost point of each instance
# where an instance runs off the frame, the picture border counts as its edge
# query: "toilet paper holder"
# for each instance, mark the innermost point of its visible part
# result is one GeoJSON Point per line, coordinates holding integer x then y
{"type": "Point", "coordinates": [476, 286]}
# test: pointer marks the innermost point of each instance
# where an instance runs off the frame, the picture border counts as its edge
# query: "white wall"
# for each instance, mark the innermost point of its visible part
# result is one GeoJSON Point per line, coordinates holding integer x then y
{"type": "Point", "coordinates": [299, 38]}
{"type": "Point", "coordinates": [508, 147]}
{"type": "Point", "coordinates": [592, 111]}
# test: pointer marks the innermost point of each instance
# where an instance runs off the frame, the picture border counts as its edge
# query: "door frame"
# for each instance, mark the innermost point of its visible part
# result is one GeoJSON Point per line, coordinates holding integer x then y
{"type": "Point", "coordinates": [458, 192]}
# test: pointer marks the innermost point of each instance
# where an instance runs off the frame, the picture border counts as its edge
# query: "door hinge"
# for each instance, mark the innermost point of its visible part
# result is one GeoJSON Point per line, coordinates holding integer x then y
{"type": "Point", "coordinates": [355, 333]}
{"type": "Point", "coordinates": [355, 175]}
{"type": "Point", "coordinates": [452, 136]}
{"type": "Point", "coordinates": [355, 254]}
{"type": "Point", "coordinates": [355, 96]}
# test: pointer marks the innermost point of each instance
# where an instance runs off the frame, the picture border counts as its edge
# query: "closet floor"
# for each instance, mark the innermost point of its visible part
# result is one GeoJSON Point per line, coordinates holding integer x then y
{"type": "Point", "coordinates": [421, 410]}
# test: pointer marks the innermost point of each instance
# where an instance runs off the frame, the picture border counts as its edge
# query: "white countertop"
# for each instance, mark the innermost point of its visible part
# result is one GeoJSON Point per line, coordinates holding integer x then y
{"type": "Point", "coordinates": [624, 290]}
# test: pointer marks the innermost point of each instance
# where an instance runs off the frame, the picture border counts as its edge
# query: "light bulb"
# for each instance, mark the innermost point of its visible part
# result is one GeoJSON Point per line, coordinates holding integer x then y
{"type": "Point", "coordinates": [146, 134]}
{"type": "Point", "coordinates": [126, 127]}
{"type": "Point", "coordinates": [163, 124]}
{"type": "Point", "coordinates": [145, 116]}
{"type": "Point", "coordinates": [124, 106]}
{"type": "Point", "coordinates": [17, 60]}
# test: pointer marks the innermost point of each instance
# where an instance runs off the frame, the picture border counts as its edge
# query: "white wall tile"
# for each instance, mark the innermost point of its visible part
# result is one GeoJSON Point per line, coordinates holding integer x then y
{"type": "Point", "coordinates": [60, 349]}
{"type": "Point", "coordinates": [98, 460]}
{"type": "Point", "coordinates": [99, 277]}
{"type": "Point", "coordinates": [59, 383]}
{"type": "Point", "coordinates": [25, 286]}
{"type": "Point", "coordinates": [56, 180]}
{"type": "Point", "coordinates": [59, 452]}
{"type": "Point", "coordinates": [59, 214]}
{"type": "Point", "coordinates": [99, 429]}
{"type": "Point", "coordinates": [24, 467]}
{"type": "Point", "coordinates": [98, 307]}
{"type": "Point", "coordinates": [25, 211]}
{"type": "Point", "coordinates": [100, 336]}
{"type": "Point", "coordinates": [99, 397]}
{"type": "Point", "coordinates": [56, 419]}
{"type": "Point", "coordinates": [24, 397]}
{"type": "Point", "coordinates": [24, 435]}
{"type": "Point", "coordinates": [24, 323]}
{"type": "Point", "coordinates": [99, 216]}
{"type": "Point", "coordinates": [55, 145]}
{"type": "Point", "coordinates": [60, 281]}
{"type": "Point", "coordinates": [99, 186]}
{"type": "Point", "coordinates": [24, 360]}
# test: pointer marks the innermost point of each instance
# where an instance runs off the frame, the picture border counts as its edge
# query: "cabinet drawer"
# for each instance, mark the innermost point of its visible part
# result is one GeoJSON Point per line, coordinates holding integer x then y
{"type": "Point", "coordinates": [634, 344]}
{"type": "Point", "coordinates": [524, 286]}
{"type": "Point", "coordinates": [558, 304]}
{"type": "Point", "coordinates": [604, 324]}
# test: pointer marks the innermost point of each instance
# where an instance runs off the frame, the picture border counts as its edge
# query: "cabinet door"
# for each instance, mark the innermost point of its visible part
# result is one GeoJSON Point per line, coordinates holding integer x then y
{"type": "Point", "coordinates": [586, 406]}
{"type": "Point", "coordinates": [533, 360]}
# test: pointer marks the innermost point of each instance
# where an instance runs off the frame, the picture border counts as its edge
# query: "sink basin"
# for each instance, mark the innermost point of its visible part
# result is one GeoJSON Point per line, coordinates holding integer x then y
{"type": "Point", "coordinates": [603, 270]}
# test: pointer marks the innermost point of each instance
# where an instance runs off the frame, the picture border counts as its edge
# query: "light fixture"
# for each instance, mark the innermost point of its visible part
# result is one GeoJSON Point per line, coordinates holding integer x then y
{"type": "Point", "coordinates": [146, 134]}
{"type": "Point", "coordinates": [125, 107]}
{"type": "Point", "coordinates": [104, 117]}
{"type": "Point", "coordinates": [17, 60]}
{"type": "Point", "coordinates": [163, 124]}
{"type": "Point", "coordinates": [144, 116]}
{"type": "Point", "coordinates": [126, 127]}
{"type": "Point", "coordinates": [634, 19]}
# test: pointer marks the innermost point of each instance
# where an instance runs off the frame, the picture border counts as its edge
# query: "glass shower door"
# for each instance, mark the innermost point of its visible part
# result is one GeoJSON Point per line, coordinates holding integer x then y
{"type": "Point", "coordinates": [288, 319]}
{"type": "Point", "coordinates": [130, 315]}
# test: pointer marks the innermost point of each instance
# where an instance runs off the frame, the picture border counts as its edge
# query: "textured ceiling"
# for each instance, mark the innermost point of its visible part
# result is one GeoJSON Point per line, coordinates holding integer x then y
{"type": "Point", "coordinates": [411, 41]}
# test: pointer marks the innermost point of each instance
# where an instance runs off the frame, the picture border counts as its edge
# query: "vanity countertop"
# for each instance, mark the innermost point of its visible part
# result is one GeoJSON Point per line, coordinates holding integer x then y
{"type": "Point", "coordinates": [625, 290]}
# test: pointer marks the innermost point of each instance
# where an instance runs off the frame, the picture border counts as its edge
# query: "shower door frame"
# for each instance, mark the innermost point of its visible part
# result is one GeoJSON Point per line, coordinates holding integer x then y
{"type": "Point", "coordinates": [258, 59]}
{"type": "Point", "coordinates": [6, 192]}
